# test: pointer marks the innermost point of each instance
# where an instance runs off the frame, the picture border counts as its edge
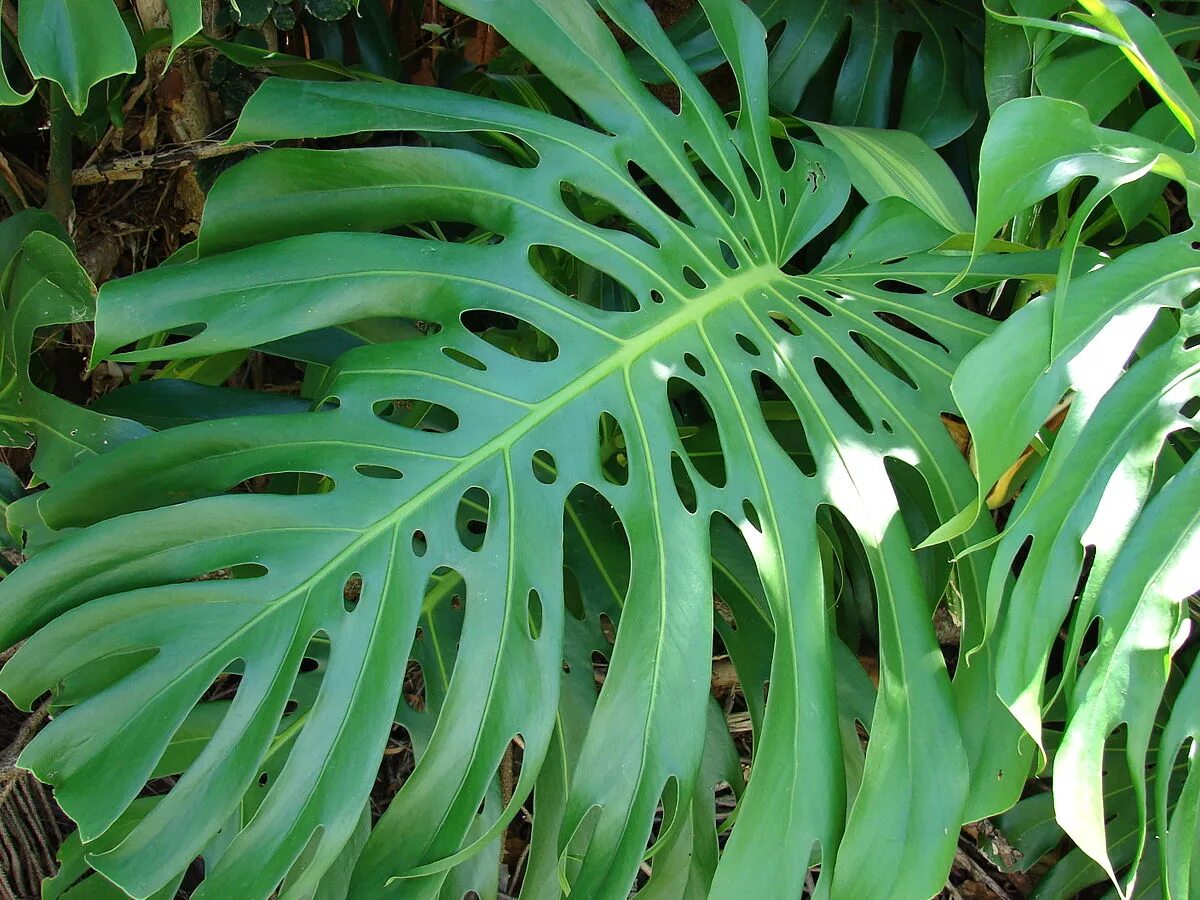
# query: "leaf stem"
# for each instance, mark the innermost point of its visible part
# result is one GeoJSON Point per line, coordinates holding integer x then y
{"type": "Point", "coordinates": [59, 200]}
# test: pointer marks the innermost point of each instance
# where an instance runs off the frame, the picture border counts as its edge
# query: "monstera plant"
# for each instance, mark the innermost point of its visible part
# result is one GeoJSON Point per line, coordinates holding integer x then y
{"type": "Point", "coordinates": [571, 380]}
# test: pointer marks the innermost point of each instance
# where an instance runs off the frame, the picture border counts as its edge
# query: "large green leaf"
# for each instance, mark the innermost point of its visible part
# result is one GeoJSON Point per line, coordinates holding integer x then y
{"type": "Point", "coordinates": [458, 455]}
{"type": "Point", "coordinates": [74, 43]}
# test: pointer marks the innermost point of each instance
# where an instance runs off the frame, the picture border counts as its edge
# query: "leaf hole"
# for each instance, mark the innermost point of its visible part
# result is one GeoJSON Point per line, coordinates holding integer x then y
{"type": "Point", "coordinates": [894, 286]}
{"type": "Point", "coordinates": [511, 335]}
{"type": "Point", "coordinates": [714, 185]}
{"type": "Point", "coordinates": [545, 468]}
{"type": "Point", "coordinates": [785, 153]}
{"type": "Point", "coordinates": [692, 277]}
{"type": "Point", "coordinates": [784, 422]}
{"type": "Point", "coordinates": [373, 471]}
{"type": "Point", "coordinates": [599, 669]}
{"type": "Point", "coordinates": [747, 345]}
{"type": "Point", "coordinates": [752, 179]}
{"type": "Point", "coordinates": [818, 308]}
{"type": "Point", "coordinates": [599, 213]}
{"type": "Point", "coordinates": [694, 364]}
{"type": "Point", "coordinates": [351, 592]}
{"type": "Point", "coordinates": [684, 487]}
{"type": "Point", "coordinates": [656, 194]}
{"type": "Point", "coordinates": [882, 358]}
{"type": "Point", "coordinates": [418, 415]}
{"type": "Point", "coordinates": [840, 391]}
{"type": "Point", "coordinates": [533, 612]}
{"type": "Point", "coordinates": [464, 359]}
{"type": "Point", "coordinates": [729, 256]}
{"type": "Point", "coordinates": [577, 279]}
{"type": "Point", "coordinates": [786, 323]}
{"type": "Point", "coordinates": [698, 429]}
{"type": "Point", "coordinates": [614, 459]}
{"type": "Point", "coordinates": [414, 686]}
{"type": "Point", "coordinates": [902, 324]}
{"type": "Point", "coordinates": [471, 520]}
{"type": "Point", "coordinates": [419, 543]}
{"type": "Point", "coordinates": [285, 483]}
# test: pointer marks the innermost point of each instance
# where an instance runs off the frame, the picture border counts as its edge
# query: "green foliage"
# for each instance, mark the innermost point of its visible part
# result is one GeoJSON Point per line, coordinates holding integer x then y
{"type": "Point", "coordinates": [579, 360]}
{"type": "Point", "coordinates": [77, 44]}
{"type": "Point", "coordinates": [839, 61]}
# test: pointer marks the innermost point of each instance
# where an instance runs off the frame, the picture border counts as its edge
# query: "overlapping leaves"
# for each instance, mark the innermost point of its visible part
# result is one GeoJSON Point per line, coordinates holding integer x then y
{"type": "Point", "coordinates": [709, 315]}
{"type": "Point", "coordinates": [1104, 537]}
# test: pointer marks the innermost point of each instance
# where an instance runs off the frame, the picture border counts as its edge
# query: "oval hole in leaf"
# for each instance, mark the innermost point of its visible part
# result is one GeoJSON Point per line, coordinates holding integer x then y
{"type": "Point", "coordinates": [533, 609]}
{"type": "Point", "coordinates": [747, 345]}
{"type": "Point", "coordinates": [752, 179]}
{"type": "Point", "coordinates": [816, 307]}
{"type": "Point", "coordinates": [751, 515]}
{"type": "Point", "coordinates": [614, 462]}
{"type": "Point", "coordinates": [593, 210]}
{"type": "Point", "coordinates": [545, 469]}
{"type": "Point", "coordinates": [580, 280]}
{"type": "Point", "coordinates": [286, 483]}
{"type": "Point", "coordinates": [352, 591]}
{"type": "Point", "coordinates": [656, 194]}
{"type": "Point", "coordinates": [694, 364]}
{"type": "Point", "coordinates": [840, 391]}
{"type": "Point", "coordinates": [595, 553]}
{"type": "Point", "coordinates": [894, 286]}
{"type": "Point", "coordinates": [882, 358]}
{"type": "Point", "coordinates": [373, 471]}
{"type": "Point", "coordinates": [465, 359]}
{"type": "Point", "coordinates": [419, 415]}
{"type": "Point", "coordinates": [472, 518]}
{"type": "Point", "coordinates": [414, 686]}
{"type": "Point", "coordinates": [511, 335]}
{"type": "Point", "coordinates": [714, 185]}
{"type": "Point", "coordinates": [599, 669]}
{"type": "Point", "coordinates": [572, 597]}
{"type": "Point", "coordinates": [698, 428]}
{"type": "Point", "coordinates": [786, 323]}
{"type": "Point", "coordinates": [784, 422]}
{"type": "Point", "coordinates": [902, 324]}
{"type": "Point", "coordinates": [692, 277]}
{"type": "Point", "coordinates": [684, 486]}
{"type": "Point", "coordinates": [419, 544]}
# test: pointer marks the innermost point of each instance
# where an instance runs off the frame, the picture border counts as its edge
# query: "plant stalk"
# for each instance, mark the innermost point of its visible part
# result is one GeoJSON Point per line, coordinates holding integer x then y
{"type": "Point", "coordinates": [60, 202]}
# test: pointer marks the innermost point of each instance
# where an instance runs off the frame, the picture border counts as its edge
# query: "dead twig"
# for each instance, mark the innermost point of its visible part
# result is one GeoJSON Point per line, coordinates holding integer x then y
{"type": "Point", "coordinates": [964, 859]}
{"type": "Point", "coordinates": [132, 167]}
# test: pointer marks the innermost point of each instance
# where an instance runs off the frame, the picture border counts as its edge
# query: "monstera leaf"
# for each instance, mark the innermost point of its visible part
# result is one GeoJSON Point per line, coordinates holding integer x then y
{"type": "Point", "coordinates": [43, 286]}
{"type": "Point", "coordinates": [838, 61]}
{"type": "Point", "coordinates": [654, 308]}
{"type": "Point", "coordinates": [1103, 539]}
